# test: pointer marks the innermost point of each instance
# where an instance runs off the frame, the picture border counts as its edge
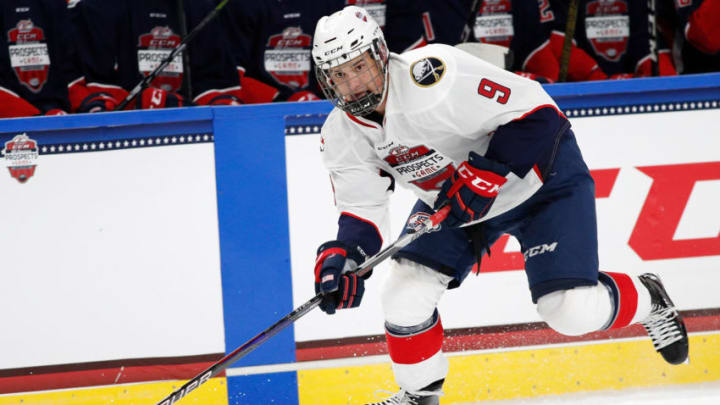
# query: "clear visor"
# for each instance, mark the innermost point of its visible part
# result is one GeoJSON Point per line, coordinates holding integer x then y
{"type": "Point", "coordinates": [356, 83]}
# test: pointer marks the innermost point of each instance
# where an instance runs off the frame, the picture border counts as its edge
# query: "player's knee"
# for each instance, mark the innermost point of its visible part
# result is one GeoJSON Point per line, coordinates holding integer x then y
{"type": "Point", "coordinates": [575, 311]}
{"type": "Point", "coordinates": [411, 292]}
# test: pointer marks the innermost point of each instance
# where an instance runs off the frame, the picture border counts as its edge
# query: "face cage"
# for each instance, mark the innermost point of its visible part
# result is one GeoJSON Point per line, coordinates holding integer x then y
{"type": "Point", "coordinates": [364, 105]}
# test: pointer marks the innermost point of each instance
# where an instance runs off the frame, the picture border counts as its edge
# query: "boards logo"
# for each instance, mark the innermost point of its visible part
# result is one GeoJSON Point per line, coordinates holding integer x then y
{"type": "Point", "coordinates": [427, 72]}
{"type": "Point", "coordinates": [29, 56]}
{"type": "Point", "coordinates": [494, 23]}
{"type": "Point", "coordinates": [21, 155]}
{"type": "Point", "coordinates": [287, 57]}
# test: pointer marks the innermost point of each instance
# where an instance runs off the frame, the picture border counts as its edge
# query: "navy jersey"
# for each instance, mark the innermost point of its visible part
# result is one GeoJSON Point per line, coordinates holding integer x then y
{"type": "Point", "coordinates": [613, 32]}
{"type": "Point", "coordinates": [272, 40]}
{"type": "Point", "coordinates": [37, 52]}
{"type": "Point", "coordinates": [121, 41]}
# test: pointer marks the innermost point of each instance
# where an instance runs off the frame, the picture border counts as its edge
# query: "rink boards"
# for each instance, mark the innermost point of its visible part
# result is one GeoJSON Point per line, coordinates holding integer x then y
{"type": "Point", "coordinates": [145, 245]}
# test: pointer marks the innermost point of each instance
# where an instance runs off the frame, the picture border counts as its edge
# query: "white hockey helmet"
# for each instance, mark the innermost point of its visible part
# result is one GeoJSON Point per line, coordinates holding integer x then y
{"type": "Point", "coordinates": [341, 37]}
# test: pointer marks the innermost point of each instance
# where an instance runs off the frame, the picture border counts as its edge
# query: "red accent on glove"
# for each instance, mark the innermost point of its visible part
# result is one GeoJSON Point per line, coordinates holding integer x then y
{"type": "Point", "coordinates": [703, 30]}
{"type": "Point", "coordinates": [543, 63]}
{"type": "Point", "coordinates": [581, 66]}
{"type": "Point", "coordinates": [481, 182]}
{"type": "Point", "coordinates": [14, 106]}
{"type": "Point", "coordinates": [56, 111]}
{"type": "Point", "coordinates": [152, 98]}
{"type": "Point", "coordinates": [324, 255]}
{"type": "Point", "coordinates": [255, 91]}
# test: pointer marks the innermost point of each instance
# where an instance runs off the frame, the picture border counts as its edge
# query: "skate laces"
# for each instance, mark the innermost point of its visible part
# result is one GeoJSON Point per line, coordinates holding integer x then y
{"type": "Point", "coordinates": [388, 397]}
{"type": "Point", "coordinates": [402, 397]}
{"type": "Point", "coordinates": [661, 326]}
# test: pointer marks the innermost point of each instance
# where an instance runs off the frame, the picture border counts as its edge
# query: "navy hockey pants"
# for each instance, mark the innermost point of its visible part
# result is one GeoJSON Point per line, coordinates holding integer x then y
{"type": "Point", "coordinates": [556, 228]}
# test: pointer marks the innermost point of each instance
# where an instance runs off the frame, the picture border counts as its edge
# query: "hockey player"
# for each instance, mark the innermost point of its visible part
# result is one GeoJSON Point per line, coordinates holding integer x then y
{"type": "Point", "coordinates": [517, 25]}
{"type": "Point", "coordinates": [494, 146]}
{"type": "Point", "coordinates": [122, 41]}
{"type": "Point", "coordinates": [270, 41]}
{"type": "Point", "coordinates": [38, 76]}
{"type": "Point", "coordinates": [615, 34]}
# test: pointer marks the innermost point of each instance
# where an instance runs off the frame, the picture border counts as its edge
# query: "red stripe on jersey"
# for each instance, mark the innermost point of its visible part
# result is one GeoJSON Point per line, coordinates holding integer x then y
{"type": "Point", "coordinates": [540, 107]}
{"type": "Point", "coordinates": [537, 172]}
{"type": "Point", "coordinates": [628, 299]}
{"type": "Point", "coordinates": [365, 124]}
{"type": "Point", "coordinates": [366, 221]}
{"type": "Point", "coordinates": [416, 348]}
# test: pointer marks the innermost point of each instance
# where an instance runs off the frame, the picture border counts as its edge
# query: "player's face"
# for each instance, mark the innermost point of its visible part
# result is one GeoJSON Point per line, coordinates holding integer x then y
{"type": "Point", "coordinates": [354, 79]}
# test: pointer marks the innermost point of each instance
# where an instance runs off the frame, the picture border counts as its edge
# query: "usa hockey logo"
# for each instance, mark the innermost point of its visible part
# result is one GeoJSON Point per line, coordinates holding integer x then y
{"type": "Point", "coordinates": [375, 8]}
{"type": "Point", "coordinates": [427, 72]}
{"type": "Point", "coordinates": [287, 57]}
{"type": "Point", "coordinates": [607, 28]}
{"type": "Point", "coordinates": [21, 155]}
{"type": "Point", "coordinates": [416, 221]}
{"type": "Point", "coordinates": [29, 56]}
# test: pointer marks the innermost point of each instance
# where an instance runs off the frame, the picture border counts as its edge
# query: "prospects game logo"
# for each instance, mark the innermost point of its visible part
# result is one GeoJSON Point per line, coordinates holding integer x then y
{"type": "Point", "coordinates": [21, 155]}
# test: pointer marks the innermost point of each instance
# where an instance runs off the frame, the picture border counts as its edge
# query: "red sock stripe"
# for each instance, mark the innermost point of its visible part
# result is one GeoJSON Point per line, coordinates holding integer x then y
{"type": "Point", "coordinates": [416, 348]}
{"type": "Point", "coordinates": [628, 299]}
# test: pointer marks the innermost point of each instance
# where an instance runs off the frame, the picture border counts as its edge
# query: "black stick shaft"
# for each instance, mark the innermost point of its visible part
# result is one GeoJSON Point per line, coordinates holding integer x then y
{"type": "Point", "coordinates": [187, 75]}
{"type": "Point", "coordinates": [299, 312]}
{"type": "Point", "coordinates": [567, 44]}
{"type": "Point", "coordinates": [179, 48]}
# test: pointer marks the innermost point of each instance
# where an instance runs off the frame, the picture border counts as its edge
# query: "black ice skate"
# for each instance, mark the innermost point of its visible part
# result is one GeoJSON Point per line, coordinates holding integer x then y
{"type": "Point", "coordinates": [664, 325]}
{"type": "Point", "coordinates": [429, 395]}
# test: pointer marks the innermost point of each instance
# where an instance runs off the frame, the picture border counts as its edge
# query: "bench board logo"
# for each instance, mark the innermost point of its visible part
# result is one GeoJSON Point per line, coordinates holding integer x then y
{"type": "Point", "coordinates": [494, 23]}
{"type": "Point", "coordinates": [21, 155]}
{"type": "Point", "coordinates": [29, 56]}
{"type": "Point", "coordinates": [607, 27]}
{"type": "Point", "coordinates": [428, 71]}
{"type": "Point", "coordinates": [287, 57]}
{"type": "Point", "coordinates": [153, 48]}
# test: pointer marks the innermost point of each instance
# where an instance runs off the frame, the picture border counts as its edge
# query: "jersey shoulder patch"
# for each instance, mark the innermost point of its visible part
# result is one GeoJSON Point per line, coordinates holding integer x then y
{"type": "Point", "coordinates": [427, 71]}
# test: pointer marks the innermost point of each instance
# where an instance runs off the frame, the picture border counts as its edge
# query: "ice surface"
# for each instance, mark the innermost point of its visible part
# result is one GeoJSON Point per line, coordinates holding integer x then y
{"type": "Point", "coordinates": [689, 394]}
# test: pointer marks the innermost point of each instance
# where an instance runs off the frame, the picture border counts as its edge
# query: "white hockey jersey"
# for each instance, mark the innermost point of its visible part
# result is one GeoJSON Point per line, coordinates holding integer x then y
{"type": "Point", "coordinates": [442, 103]}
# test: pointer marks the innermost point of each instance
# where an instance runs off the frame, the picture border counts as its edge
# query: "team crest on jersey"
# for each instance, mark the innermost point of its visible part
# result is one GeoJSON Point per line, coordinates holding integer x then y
{"type": "Point", "coordinates": [416, 221]}
{"type": "Point", "coordinates": [21, 155]}
{"type": "Point", "coordinates": [153, 48]}
{"type": "Point", "coordinates": [287, 57]}
{"type": "Point", "coordinates": [607, 28]}
{"type": "Point", "coordinates": [419, 165]}
{"type": "Point", "coordinates": [29, 56]}
{"type": "Point", "coordinates": [427, 71]}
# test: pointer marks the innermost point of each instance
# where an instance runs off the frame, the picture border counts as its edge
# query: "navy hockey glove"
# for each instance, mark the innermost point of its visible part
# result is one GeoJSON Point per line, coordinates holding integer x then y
{"type": "Point", "coordinates": [472, 189]}
{"type": "Point", "coordinates": [342, 290]}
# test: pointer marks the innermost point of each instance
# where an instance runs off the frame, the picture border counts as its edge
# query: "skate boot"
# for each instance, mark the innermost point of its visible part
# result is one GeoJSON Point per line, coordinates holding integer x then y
{"type": "Point", "coordinates": [429, 395]}
{"type": "Point", "coordinates": [664, 325]}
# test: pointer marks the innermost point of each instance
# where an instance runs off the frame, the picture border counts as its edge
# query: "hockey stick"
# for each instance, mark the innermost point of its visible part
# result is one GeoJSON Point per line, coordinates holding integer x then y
{"type": "Point", "coordinates": [179, 48]}
{"type": "Point", "coordinates": [652, 28]}
{"type": "Point", "coordinates": [465, 35]}
{"type": "Point", "coordinates": [303, 309]}
{"type": "Point", "coordinates": [567, 44]}
{"type": "Point", "coordinates": [186, 55]}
